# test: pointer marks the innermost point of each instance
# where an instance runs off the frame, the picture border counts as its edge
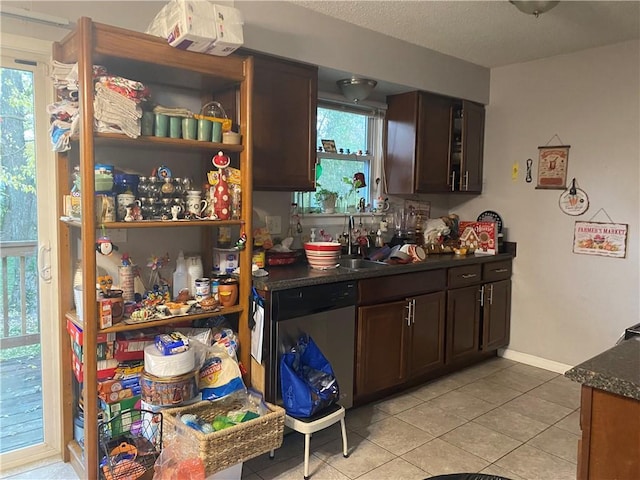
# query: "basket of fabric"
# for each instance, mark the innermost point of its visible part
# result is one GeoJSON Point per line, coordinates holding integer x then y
{"type": "Point", "coordinates": [225, 448]}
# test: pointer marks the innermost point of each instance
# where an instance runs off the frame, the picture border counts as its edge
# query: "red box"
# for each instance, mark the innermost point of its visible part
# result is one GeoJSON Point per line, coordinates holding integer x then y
{"type": "Point", "coordinates": [131, 349]}
{"type": "Point", "coordinates": [106, 368]}
{"type": "Point", "coordinates": [76, 334]}
{"type": "Point", "coordinates": [482, 237]}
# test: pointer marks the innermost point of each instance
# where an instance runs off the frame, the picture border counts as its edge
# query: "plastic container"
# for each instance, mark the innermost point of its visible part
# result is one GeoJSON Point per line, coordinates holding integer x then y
{"type": "Point", "coordinates": [225, 260]}
{"type": "Point", "coordinates": [194, 271]}
{"type": "Point", "coordinates": [180, 276]}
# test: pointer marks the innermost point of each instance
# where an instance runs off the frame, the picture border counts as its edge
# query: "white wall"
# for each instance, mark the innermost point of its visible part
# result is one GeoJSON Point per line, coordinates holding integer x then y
{"type": "Point", "coordinates": [567, 307]}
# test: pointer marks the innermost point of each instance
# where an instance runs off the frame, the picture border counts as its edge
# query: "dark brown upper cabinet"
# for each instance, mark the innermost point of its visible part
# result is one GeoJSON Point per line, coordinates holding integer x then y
{"type": "Point", "coordinates": [285, 97]}
{"type": "Point", "coordinates": [434, 144]}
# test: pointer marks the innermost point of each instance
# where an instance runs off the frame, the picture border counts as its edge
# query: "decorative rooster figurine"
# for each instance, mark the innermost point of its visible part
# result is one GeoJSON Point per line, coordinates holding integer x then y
{"type": "Point", "coordinates": [221, 197]}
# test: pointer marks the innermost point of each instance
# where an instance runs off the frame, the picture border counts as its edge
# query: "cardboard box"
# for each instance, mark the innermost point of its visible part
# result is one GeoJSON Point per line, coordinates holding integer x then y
{"type": "Point", "coordinates": [482, 237]}
{"type": "Point", "coordinates": [75, 331]}
{"type": "Point", "coordinates": [105, 351]}
{"type": "Point", "coordinates": [199, 26]}
{"type": "Point", "coordinates": [131, 349]}
{"type": "Point", "coordinates": [105, 369]}
{"type": "Point", "coordinates": [130, 409]}
{"type": "Point", "coordinates": [105, 315]}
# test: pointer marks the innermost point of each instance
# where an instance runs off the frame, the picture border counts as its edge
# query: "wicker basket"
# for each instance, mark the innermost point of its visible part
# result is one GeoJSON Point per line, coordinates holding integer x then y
{"type": "Point", "coordinates": [225, 448]}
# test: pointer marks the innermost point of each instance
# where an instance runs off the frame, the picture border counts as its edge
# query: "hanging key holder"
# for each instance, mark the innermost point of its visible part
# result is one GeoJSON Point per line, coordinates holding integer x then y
{"type": "Point", "coordinates": [574, 201]}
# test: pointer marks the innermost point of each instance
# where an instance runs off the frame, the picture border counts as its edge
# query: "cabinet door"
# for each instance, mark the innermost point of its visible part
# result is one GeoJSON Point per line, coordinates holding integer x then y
{"type": "Point", "coordinates": [285, 97]}
{"type": "Point", "coordinates": [463, 323]}
{"type": "Point", "coordinates": [380, 353]}
{"type": "Point", "coordinates": [472, 147]}
{"type": "Point", "coordinates": [427, 333]}
{"type": "Point", "coordinates": [496, 315]}
{"type": "Point", "coordinates": [401, 122]}
{"type": "Point", "coordinates": [432, 154]}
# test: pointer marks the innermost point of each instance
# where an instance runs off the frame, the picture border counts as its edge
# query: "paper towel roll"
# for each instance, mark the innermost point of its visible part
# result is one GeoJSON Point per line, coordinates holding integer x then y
{"type": "Point", "coordinates": [160, 365]}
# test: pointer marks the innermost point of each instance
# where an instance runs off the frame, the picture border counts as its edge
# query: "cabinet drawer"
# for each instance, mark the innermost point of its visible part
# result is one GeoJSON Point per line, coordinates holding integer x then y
{"type": "Point", "coordinates": [463, 276]}
{"type": "Point", "coordinates": [496, 271]}
{"type": "Point", "coordinates": [394, 287]}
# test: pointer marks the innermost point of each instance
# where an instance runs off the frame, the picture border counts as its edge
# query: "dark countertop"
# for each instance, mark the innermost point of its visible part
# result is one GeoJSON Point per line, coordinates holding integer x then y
{"type": "Point", "coordinates": [616, 371]}
{"type": "Point", "coordinates": [284, 277]}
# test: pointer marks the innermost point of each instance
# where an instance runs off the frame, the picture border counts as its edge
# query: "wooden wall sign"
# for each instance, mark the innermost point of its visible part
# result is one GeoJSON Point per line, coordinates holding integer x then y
{"type": "Point", "coordinates": [552, 167]}
{"type": "Point", "coordinates": [596, 238]}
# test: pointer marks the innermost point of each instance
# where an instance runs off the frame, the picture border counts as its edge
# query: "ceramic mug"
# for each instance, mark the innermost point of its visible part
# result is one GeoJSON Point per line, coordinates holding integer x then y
{"type": "Point", "coordinates": [196, 205]}
{"type": "Point", "coordinates": [381, 205]}
{"type": "Point", "coordinates": [123, 201]}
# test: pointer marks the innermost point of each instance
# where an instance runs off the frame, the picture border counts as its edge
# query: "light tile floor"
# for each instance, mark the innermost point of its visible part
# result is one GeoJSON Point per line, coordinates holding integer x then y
{"type": "Point", "coordinates": [499, 417]}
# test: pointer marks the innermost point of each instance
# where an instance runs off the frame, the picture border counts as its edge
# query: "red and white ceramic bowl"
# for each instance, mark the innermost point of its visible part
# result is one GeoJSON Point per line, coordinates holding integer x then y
{"type": "Point", "coordinates": [322, 246]}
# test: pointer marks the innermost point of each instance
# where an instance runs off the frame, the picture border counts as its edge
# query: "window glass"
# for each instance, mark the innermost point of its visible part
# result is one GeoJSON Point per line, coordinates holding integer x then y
{"type": "Point", "coordinates": [336, 171]}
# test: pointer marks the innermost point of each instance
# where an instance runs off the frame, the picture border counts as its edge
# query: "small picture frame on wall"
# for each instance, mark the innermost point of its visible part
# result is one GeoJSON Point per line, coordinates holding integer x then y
{"type": "Point", "coordinates": [552, 167]}
{"type": "Point", "coordinates": [329, 146]}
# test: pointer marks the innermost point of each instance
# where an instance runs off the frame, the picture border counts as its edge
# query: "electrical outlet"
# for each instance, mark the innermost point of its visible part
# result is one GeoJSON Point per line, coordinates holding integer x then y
{"type": "Point", "coordinates": [274, 224]}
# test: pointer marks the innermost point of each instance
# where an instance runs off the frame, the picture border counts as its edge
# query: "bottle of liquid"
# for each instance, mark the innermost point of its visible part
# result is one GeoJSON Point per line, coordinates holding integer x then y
{"type": "Point", "coordinates": [180, 275]}
{"type": "Point", "coordinates": [194, 272]}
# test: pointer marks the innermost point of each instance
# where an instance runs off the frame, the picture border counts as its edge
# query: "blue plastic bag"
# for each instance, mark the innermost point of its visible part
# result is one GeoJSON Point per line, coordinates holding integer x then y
{"type": "Point", "coordinates": [307, 380]}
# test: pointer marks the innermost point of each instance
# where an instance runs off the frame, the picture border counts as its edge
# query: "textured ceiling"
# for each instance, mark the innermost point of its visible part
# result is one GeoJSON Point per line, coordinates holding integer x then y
{"type": "Point", "coordinates": [492, 33]}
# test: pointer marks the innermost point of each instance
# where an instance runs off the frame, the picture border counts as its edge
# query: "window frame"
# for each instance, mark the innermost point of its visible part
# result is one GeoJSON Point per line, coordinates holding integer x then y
{"type": "Point", "coordinates": [374, 118]}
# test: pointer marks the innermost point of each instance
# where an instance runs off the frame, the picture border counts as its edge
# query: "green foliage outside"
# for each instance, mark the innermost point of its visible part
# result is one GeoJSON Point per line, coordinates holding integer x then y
{"type": "Point", "coordinates": [349, 131]}
{"type": "Point", "coordinates": [18, 205]}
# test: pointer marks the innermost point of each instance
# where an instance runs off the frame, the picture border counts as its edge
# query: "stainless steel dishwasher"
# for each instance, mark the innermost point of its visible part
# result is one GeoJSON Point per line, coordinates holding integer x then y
{"type": "Point", "coordinates": [327, 314]}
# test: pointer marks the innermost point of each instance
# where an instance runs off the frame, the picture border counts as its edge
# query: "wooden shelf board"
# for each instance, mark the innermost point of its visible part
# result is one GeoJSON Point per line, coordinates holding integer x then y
{"type": "Point", "coordinates": [116, 139]}
{"type": "Point", "coordinates": [121, 327]}
{"type": "Point", "coordinates": [157, 223]}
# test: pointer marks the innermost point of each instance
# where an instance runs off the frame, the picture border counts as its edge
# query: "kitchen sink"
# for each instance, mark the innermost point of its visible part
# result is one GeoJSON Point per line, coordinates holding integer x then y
{"type": "Point", "coordinates": [360, 263]}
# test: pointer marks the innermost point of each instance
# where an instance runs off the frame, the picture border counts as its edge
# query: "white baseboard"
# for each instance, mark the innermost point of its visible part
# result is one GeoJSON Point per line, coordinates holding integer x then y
{"type": "Point", "coordinates": [534, 361]}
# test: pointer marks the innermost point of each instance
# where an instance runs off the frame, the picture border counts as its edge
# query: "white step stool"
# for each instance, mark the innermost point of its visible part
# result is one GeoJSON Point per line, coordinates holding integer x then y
{"type": "Point", "coordinates": [320, 421]}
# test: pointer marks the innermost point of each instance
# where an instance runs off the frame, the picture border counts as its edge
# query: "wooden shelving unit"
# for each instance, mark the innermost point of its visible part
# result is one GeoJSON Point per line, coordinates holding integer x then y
{"type": "Point", "coordinates": [147, 59]}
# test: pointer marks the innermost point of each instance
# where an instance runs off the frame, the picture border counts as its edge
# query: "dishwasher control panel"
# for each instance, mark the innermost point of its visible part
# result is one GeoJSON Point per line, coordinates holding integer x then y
{"type": "Point", "coordinates": [298, 302]}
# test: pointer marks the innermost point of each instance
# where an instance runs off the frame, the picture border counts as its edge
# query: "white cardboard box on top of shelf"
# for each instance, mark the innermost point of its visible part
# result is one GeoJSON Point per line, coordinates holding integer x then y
{"type": "Point", "coordinates": [199, 26]}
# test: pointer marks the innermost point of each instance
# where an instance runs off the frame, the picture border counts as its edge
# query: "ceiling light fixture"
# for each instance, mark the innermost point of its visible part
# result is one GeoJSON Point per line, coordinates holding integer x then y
{"type": "Point", "coordinates": [532, 7]}
{"type": "Point", "coordinates": [356, 89]}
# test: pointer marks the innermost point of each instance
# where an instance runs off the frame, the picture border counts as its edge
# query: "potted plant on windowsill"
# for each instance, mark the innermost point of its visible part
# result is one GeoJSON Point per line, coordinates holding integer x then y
{"type": "Point", "coordinates": [327, 199]}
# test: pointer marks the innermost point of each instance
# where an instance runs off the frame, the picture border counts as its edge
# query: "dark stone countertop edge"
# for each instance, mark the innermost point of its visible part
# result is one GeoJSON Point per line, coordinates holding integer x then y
{"type": "Point", "coordinates": [285, 277]}
{"type": "Point", "coordinates": [616, 370]}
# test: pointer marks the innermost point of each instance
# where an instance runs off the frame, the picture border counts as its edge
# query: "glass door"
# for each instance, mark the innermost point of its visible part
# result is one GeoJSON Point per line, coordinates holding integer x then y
{"type": "Point", "coordinates": [29, 337]}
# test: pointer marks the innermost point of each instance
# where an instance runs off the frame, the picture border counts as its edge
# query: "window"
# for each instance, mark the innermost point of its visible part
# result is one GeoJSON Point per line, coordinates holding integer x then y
{"type": "Point", "coordinates": [355, 132]}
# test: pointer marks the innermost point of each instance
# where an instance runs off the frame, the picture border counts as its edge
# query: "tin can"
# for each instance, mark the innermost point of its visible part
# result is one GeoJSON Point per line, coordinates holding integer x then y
{"type": "Point", "coordinates": [203, 288]}
{"type": "Point", "coordinates": [258, 258]}
{"type": "Point", "coordinates": [215, 282]}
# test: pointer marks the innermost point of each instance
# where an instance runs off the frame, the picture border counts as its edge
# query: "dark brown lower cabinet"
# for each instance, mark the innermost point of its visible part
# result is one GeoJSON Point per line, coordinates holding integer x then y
{"type": "Point", "coordinates": [463, 323]}
{"type": "Point", "coordinates": [398, 341]}
{"type": "Point", "coordinates": [426, 352]}
{"type": "Point", "coordinates": [496, 315]}
{"type": "Point", "coordinates": [381, 344]}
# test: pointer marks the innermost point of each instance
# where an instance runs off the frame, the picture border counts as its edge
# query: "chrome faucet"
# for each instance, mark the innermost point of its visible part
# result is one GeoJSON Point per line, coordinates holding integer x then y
{"type": "Point", "coordinates": [349, 231]}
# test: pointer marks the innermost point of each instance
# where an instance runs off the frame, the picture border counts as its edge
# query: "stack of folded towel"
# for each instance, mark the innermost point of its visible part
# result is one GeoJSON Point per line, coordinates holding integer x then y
{"type": "Point", "coordinates": [116, 105]}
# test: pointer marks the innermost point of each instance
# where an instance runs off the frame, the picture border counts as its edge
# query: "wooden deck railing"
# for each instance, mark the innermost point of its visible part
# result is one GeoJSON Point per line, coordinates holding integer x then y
{"type": "Point", "coordinates": [22, 251]}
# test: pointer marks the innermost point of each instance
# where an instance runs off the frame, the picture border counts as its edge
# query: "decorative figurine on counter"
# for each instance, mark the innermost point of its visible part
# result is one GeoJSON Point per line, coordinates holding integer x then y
{"type": "Point", "coordinates": [221, 195]}
{"type": "Point", "coordinates": [242, 241]}
{"type": "Point", "coordinates": [105, 282]}
{"type": "Point", "coordinates": [105, 246]}
{"type": "Point", "coordinates": [126, 260]}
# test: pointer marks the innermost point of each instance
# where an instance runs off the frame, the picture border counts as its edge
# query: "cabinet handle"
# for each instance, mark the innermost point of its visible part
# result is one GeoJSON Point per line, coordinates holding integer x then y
{"type": "Point", "coordinates": [453, 181]}
{"type": "Point", "coordinates": [490, 294]}
{"type": "Point", "coordinates": [469, 275]}
{"type": "Point", "coordinates": [482, 296]}
{"type": "Point", "coordinates": [408, 318]}
{"type": "Point", "coordinates": [413, 311]}
{"type": "Point", "coordinates": [466, 180]}
{"type": "Point", "coordinates": [501, 270]}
